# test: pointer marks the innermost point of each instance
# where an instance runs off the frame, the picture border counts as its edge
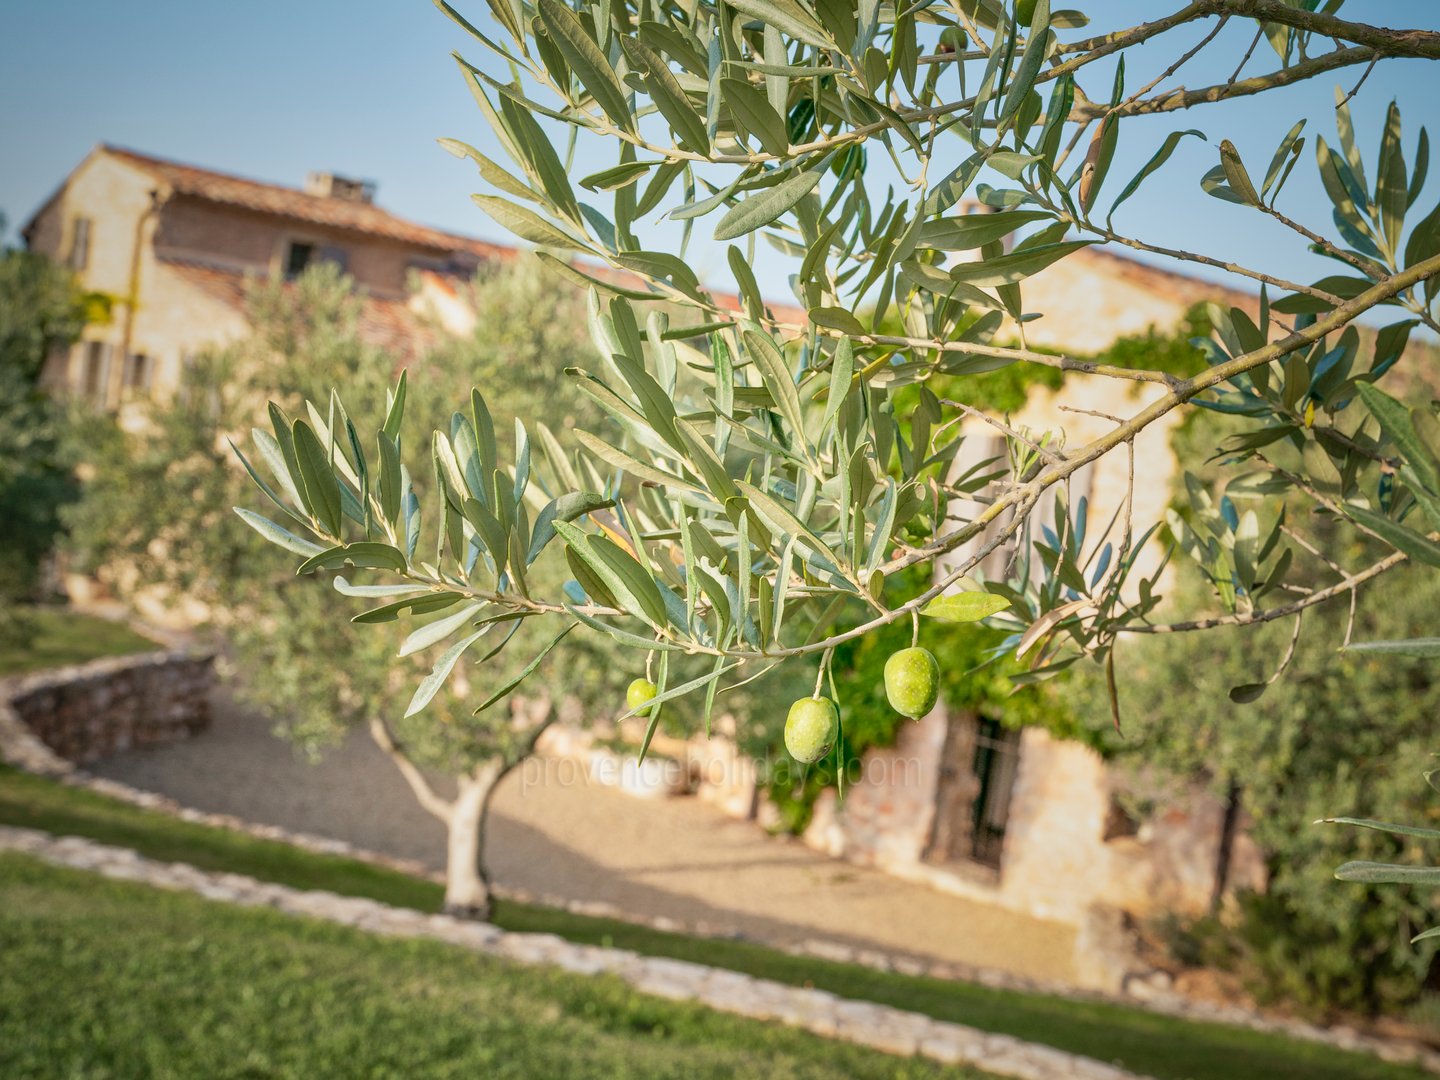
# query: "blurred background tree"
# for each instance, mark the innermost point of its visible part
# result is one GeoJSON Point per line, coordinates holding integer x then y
{"type": "Point", "coordinates": [42, 309]}
{"type": "Point", "coordinates": [296, 656]}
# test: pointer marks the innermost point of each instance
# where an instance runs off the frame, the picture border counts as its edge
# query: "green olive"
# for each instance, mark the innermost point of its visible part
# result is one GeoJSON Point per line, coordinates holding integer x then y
{"type": "Point", "coordinates": [811, 728]}
{"type": "Point", "coordinates": [912, 682]}
{"type": "Point", "coordinates": [638, 694]}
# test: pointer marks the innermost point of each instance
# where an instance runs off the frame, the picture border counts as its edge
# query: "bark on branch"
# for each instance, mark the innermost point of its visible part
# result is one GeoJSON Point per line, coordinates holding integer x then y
{"type": "Point", "coordinates": [1123, 39]}
{"type": "Point", "coordinates": [1253, 618]}
{"type": "Point", "coordinates": [1417, 43]}
{"type": "Point", "coordinates": [1085, 110]}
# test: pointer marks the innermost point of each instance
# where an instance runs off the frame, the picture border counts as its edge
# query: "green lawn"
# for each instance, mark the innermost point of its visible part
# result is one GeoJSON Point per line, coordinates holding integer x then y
{"type": "Point", "coordinates": [54, 637]}
{"type": "Point", "coordinates": [1156, 1045]}
{"type": "Point", "coordinates": [112, 979]}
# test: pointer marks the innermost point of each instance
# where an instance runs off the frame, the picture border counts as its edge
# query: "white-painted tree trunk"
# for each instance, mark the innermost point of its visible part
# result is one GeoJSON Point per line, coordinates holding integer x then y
{"type": "Point", "coordinates": [467, 887]}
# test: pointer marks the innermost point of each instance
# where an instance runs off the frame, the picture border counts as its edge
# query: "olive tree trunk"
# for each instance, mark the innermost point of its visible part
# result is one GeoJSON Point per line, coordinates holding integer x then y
{"type": "Point", "coordinates": [467, 885]}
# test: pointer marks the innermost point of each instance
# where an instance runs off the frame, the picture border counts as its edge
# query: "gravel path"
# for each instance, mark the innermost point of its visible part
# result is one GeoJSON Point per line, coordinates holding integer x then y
{"type": "Point", "coordinates": [552, 832]}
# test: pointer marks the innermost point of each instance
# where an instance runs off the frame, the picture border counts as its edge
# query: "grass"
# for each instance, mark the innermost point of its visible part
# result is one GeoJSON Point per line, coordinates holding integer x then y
{"type": "Point", "coordinates": [55, 637]}
{"type": "Point", "coordinates": [1159, 1046]}
{"type": "Point", "coordinates": [38, 803]}
{"type": "Point", "coordinates": [113, 979]}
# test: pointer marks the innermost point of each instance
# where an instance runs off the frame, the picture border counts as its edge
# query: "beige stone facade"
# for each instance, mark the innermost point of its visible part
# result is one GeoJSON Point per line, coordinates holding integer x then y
{"type": "Point", "coordinates": [174, 246]}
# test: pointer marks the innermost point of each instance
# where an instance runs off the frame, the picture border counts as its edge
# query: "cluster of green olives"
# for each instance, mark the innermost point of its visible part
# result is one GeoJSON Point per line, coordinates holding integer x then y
{"type": "Point", "coordinates": [912, 684]}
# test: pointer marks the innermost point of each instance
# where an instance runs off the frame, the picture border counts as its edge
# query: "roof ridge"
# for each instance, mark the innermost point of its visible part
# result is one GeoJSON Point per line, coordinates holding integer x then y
{"type": "Point", "coordinates": [158, 159]}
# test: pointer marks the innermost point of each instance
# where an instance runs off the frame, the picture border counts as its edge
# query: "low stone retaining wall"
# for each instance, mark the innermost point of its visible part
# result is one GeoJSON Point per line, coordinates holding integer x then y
{"type": "Point", "coordinates": [880, 1027]}
{"type": "Point", "coordinates": [90, 711]}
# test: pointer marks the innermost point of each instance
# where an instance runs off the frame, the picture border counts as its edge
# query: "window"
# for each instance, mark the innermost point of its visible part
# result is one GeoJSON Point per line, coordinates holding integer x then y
{"type": "Point", "coordinates": [997, 758]}
{"type": "Point", "coordinates": [79, 244]}
{"type": "Point", "coordinates": [137, 372]}
{"type": "Point", "coordinates": [97, 355]}
{"type": "Point", "coordinates": [297, 258]}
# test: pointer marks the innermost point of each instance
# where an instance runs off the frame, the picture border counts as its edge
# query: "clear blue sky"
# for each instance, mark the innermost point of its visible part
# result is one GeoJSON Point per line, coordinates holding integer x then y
{"type": "Point", "coordinates": [271, 90]}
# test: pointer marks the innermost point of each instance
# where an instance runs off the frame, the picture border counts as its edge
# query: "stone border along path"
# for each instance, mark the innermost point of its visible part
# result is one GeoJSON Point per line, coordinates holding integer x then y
{"type": "Point", "coordinates": [880, 1027]}
{"type": "Point", "coordinates": [20, 748]}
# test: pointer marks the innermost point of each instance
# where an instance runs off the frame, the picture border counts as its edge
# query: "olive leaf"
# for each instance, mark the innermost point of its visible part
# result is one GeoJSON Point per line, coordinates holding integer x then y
{"type": "Point", "coordinates": [966, 606]}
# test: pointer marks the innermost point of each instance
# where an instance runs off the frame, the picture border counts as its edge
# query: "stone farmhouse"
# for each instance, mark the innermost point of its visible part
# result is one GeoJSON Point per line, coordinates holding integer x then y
{"type": "Point", "coordinates": [1015, 818]}
{"type": "Point", "coordinates": [173, 245]}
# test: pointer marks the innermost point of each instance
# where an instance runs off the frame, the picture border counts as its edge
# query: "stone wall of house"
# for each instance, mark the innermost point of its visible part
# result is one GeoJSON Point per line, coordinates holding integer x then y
{"type": "Point", "coordinates": [241, 239]}
{"type": "Point", "coordinates": [89, 711]}
{"type": "Point", "coordinates": [114, 197]}
{"type": "Point", "coordinates": [116, 200]}
{"type": "Point", "coordinates": [1068, 852]}
{"type": "Point", "coordinates": [889, 808]}
{"type": "Point", "coordinates": [1094, 296]}
{"type": "Point", "coordinates": [179, 319]}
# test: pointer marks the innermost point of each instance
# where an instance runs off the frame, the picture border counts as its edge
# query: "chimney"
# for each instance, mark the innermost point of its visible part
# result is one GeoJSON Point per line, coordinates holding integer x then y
{"type": "Point", "coordinates": [330, 185]}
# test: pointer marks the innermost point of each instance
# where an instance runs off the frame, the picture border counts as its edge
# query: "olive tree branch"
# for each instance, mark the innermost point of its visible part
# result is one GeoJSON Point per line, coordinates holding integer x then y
{"type": "Point", "coordinates": [1185, 58]}
{"type": "Point", "coordinates": [1023, 496]}
{"type": "Point", "coordinates": [1365, 267]}
{"type": "Point", "coordinates": [1104, 44]}
{"type": "Point", "coordinates": [1004, 429]}
{"type": "Point", "coordinates": [1348, 584]}
{"type": "Point", "coordinates": [424, 793]}
{"type": "Point", "coordinates": [1180, 98]}
{"type": "Point", "coordinates": [1424, 44]}
{"type": "Point", "coordinates": [1259, 36]}
{"type": "Point", "coordinates": [1183, 392]}
{"type": "Point", "coordinates": [1179, 254]}
{"type": "Point", "coordinates": [1319, 497]}
{"type": "Point", "coordinates": [1339, 571]}
{"type": "Point", "coordinates": [1356, 88]}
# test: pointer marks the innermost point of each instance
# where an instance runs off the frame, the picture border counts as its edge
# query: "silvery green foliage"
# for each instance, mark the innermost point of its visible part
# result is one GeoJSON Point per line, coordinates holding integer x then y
{"type": "Point", "coordinates": [754, 474]}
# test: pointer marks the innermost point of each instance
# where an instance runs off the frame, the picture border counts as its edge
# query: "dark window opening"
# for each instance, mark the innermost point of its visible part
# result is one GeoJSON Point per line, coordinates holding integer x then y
{"type": "Point", "coordinates": [95, 356]}
{"type": "Point", "coordinates": [80, 244]}
{"type": "Point", "coordinates": [297, 258]}
{"type": "Point", "coordinates": [138, 370]}
{"type": "Point", "coordinates": [997, 759]}
{"type": "Point", "coordinates": [955, 789]}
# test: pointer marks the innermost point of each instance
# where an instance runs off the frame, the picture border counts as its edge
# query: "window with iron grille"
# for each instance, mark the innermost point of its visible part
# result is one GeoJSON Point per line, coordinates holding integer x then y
{"type": "Point", "coordinates": [997, 760]}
